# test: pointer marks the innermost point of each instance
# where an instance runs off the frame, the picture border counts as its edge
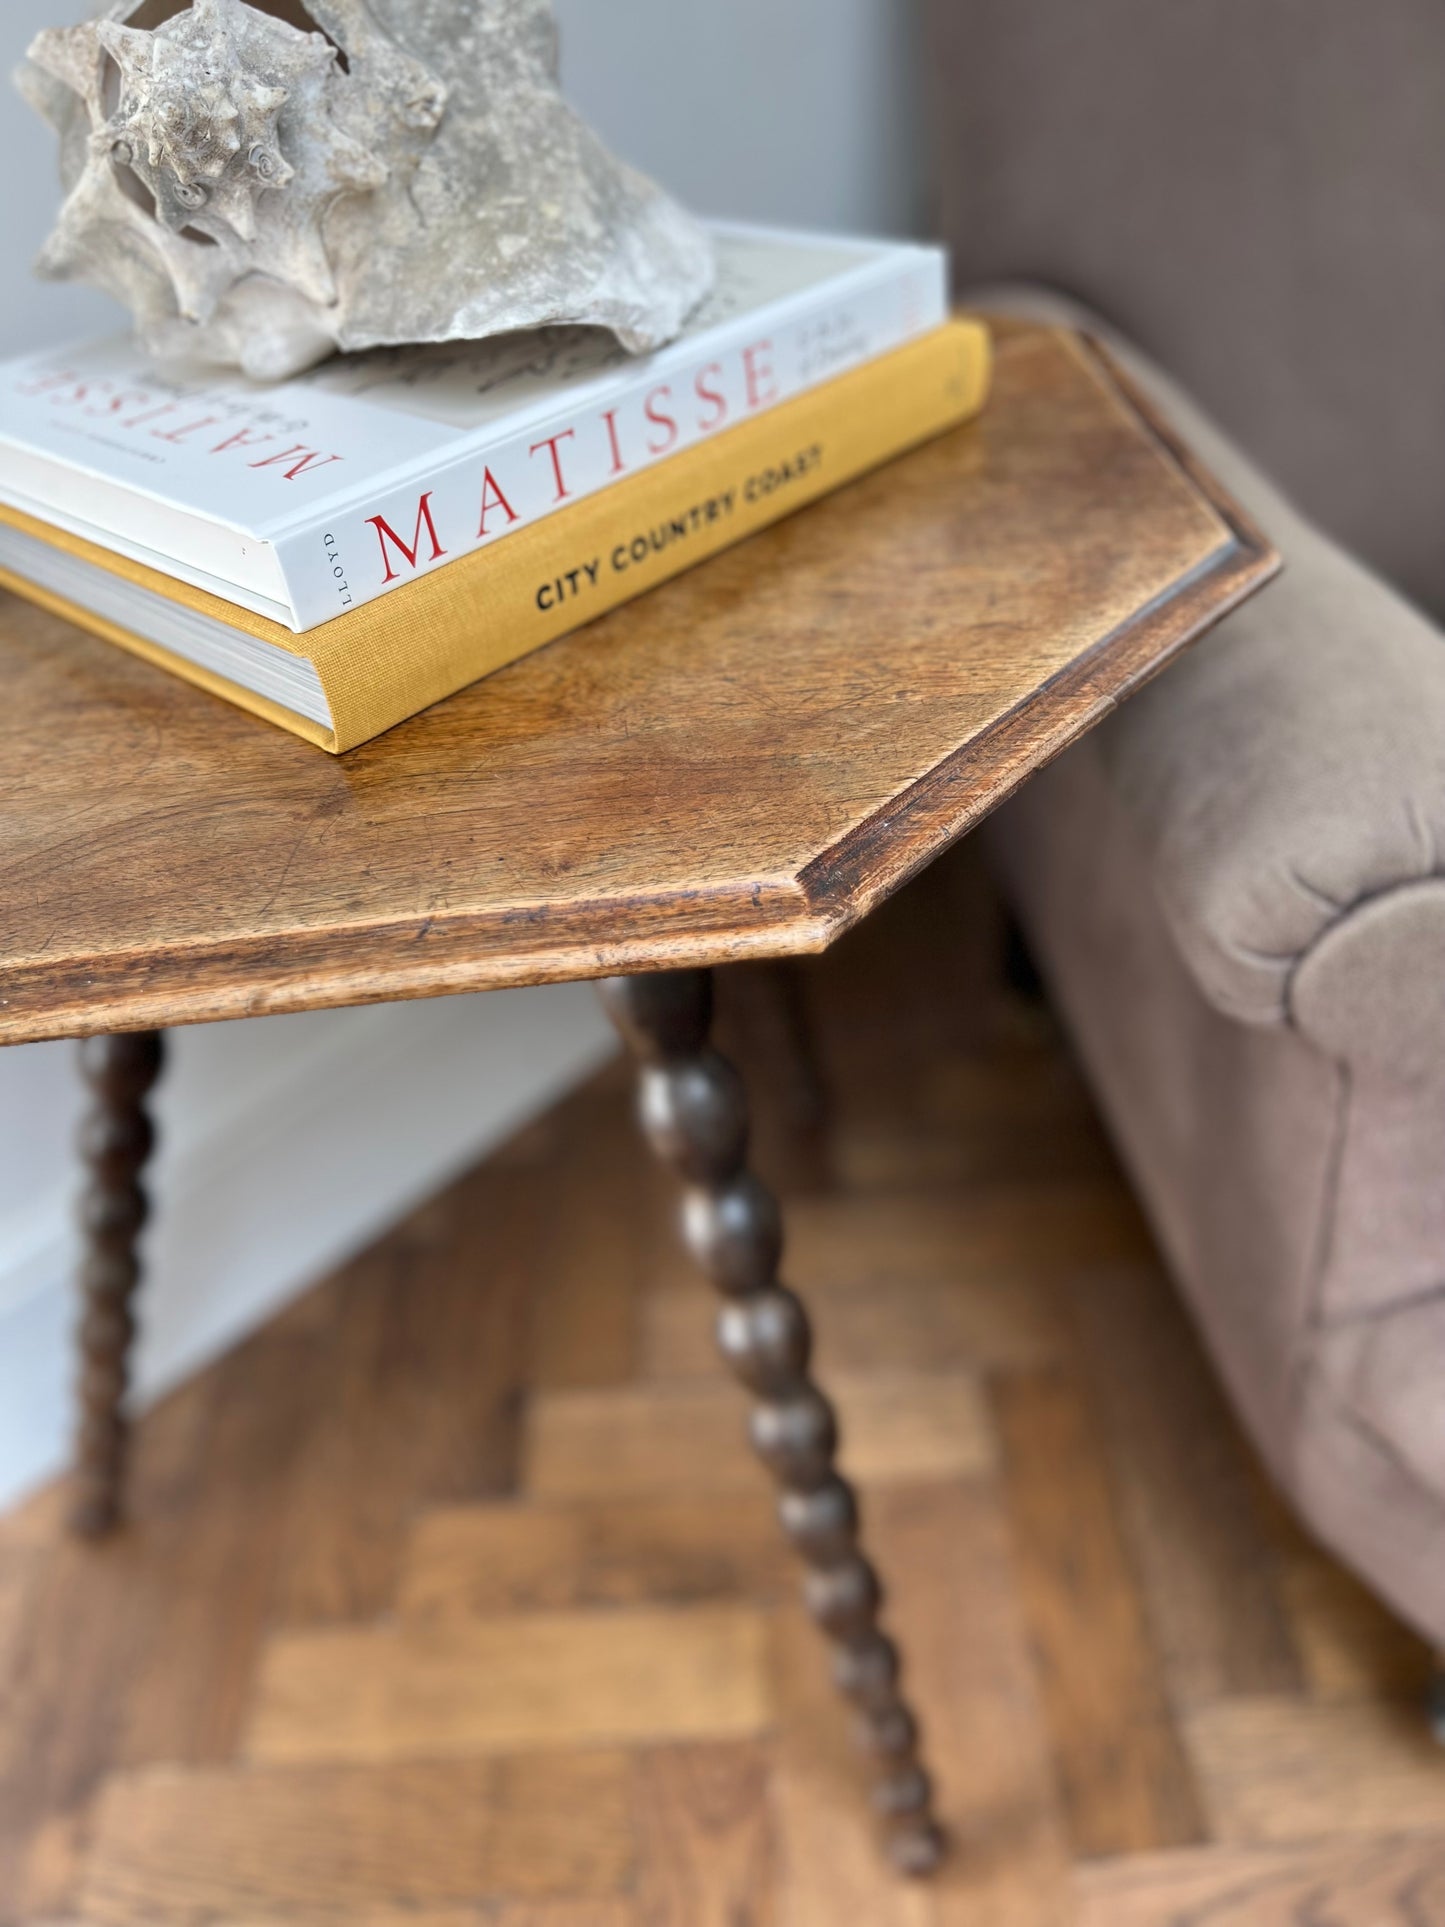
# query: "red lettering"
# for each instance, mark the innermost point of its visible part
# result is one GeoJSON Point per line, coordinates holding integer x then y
{"type": "Point", "coordinates": [131, 399]}
{"type": "Point", "coordinates": [243, 438]}
{"type": "Point", "coordinates": [659, 420]}
{"type": "Point", "coordinates": [757, 374]}
{"type": "Point", "coordinates": [619, 467]}
{"type": "Point", "coordinates": [386, 533]}
{"type": "Point", "coordinates": [178, 435]}
{"type": "Point", "coordinates": [310, 458]}
{"type": "Point", "coordinates": [493, 498]}
{"type": "Point", "coordinates": [567, 435]}
{"type": "Point", "coordinates": [714, 396]}
{"type": "Point", "coordinates": [44, 384]}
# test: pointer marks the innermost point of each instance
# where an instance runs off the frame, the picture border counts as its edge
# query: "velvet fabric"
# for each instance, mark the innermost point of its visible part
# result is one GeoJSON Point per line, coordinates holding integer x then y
{"type": "Point", "coordinates": [1234, 889]}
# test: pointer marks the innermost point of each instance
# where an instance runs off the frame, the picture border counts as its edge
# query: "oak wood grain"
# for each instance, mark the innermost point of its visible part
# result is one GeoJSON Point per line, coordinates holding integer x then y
{"type": "Point", "coordinates": [508, 1683]}
{"type": "Point", "coordinates": [917, 1284]}
{"type": "Point", "coordinates": [87, 1636]}
{"type": "Point", "coordinates": [451, 1295]}
{"type": "Point", "coordinates": [1126, 1784]}
{"type": "Point", "coordinates": [742, 764]}
{"type": "Point", "coordinates": [689, 1437]}
{"type": "Point", "coordinates": [705, 1832]}
{"type": "Point", "coordinates": [469, 1560]}
{"type": "Point", "coordinates": [1376, 1883]}
{"type": "Point", "coordinates": [1350, 1645]}
{"type": "Point", "coordinates": [829, 1870]}
{"type": "Point", "coordinates": [583, 1323]}
{"type": "Point", "coordinates": [959, 1619]}
{"type": "Point", "coordinates": [174, 1849]}
{"type": "Point", "coordinates": [1189, 1493]}
{"type": "Point", "coordinates": [186, 1691]}
{"type": "Point", "coordinates": [1280, 1769]}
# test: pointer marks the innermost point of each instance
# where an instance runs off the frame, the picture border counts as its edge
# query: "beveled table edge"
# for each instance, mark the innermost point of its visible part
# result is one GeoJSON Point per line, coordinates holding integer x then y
{"type": "Point", "coordinates": [868, 866]}
{"type": "Point", "coordinates": [273, 973]}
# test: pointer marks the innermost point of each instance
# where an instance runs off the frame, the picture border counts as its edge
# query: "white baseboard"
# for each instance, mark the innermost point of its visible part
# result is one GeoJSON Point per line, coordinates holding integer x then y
{"type": "Point", "coordinates": [286, 1144]}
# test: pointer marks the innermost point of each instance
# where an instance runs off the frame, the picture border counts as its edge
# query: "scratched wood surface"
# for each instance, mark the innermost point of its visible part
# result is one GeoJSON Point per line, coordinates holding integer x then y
{"type": "Point", "coordinates": [426, 1619]}
{"type": "Point", "coordinates": [741, 764]}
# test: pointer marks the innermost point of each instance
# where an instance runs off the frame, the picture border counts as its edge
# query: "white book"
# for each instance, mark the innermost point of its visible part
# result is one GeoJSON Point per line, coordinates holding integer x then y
{"type": "Point", "coordinates": [306, 499]}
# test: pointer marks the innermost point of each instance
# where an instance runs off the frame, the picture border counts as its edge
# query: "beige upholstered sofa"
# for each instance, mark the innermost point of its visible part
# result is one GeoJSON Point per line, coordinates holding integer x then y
{"type": "Point", "coordinates": [1236, 888]}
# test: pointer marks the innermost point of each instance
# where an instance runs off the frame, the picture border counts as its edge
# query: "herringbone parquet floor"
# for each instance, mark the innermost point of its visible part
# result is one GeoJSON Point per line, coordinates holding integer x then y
{"type": "Point", "coordinates": [452, 1599]}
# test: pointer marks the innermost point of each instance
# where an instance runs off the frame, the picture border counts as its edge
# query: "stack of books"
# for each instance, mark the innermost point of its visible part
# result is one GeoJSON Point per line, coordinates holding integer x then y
{"type": "Point", "coordinates": [340, 551]}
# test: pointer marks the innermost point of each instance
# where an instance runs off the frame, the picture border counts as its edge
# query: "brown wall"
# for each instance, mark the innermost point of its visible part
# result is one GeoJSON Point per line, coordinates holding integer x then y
{"type": "Point", "coordinates": [1255, 189]}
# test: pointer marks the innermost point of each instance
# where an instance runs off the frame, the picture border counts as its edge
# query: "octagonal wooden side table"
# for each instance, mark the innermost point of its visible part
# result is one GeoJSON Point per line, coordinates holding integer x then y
{"type": "Point", "coordinates": [740, 766]}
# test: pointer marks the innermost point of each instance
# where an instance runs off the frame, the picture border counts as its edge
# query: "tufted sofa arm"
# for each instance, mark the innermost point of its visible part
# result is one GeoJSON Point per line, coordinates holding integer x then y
{"type": "Point", "coordinates": [1284, 795]}
{"type": "Point", "coordinates": [1299, 782]}
{"type": "Point", "coordinates": [1291, 773]}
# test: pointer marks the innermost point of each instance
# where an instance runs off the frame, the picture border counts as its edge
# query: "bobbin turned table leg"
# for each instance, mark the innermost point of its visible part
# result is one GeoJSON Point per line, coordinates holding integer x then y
{"type": "Point", "coordinates": [694, 1112]}
{"type": "Point", "coordinates": [115, 1141]}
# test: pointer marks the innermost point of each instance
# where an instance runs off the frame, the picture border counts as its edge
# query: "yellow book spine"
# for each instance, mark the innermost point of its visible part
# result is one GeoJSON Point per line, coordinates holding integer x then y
{"type": "Point", "coordinates": [395, 656]}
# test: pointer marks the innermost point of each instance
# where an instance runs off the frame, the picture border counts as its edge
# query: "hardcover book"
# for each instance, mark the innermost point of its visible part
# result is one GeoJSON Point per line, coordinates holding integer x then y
{"type": "Point", "coordinates": [352, 678]}
{"type": "Point", "coordinates": [254, 540]}
{"type": "Point", "coordinates": [302, 501]}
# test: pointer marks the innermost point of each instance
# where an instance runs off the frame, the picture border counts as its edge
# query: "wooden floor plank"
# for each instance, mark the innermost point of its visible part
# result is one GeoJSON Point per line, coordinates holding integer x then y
{"type": "Point", "coordinates": [1289, 1770]}
{"type": "Point", "coordinates": [511, 1682]}
{"type": "Point", "coordinates": [829, 1867]}
{"type": "Point", "coordinates": [583, 1325]}
{"type": "Point", "coordinates": [1350, 1646]}
{"type": "Point", "coordinates": [908, 1284]}
{"type": "Point", "coordinates": [179, 1849]}
{"type": "Point", "coordinates": [187, 1700]}
{"type": "Point", "coordinates": [1384, 1883]}
{"type": "Point", "coordinates": [471, 1560]}
{"type": "Point", "coordinates": [651, 1441]}
{"type": "Point", "coordinates": [20, 1567]}
{"type": "Point", "coordinates": [956, 1122]}
{"type": "Point", "coordinates": [86, 1632]}
{"type": "Point", "coordinates": [558, 1913]}
{"type": "Point", "coordinates": [420, 1397]}
{"type": "Point", "coordinates": [984, 1735]}
{"type": "Point", "coordinates": [978, 1694]}
{"type": "Point", "coordinates": [1188, 1494]}
{"type": "Point", "coordinates": [898, 996]}
{"type": "Point", "coordinates": [1005, 1230]}
{"type": "Point", "coordinates": [706, 1837]}
{"type": "Point", "coordinates": [1126, 1780]}
{"type": "Point", "coordinates": [502, 1913]}
{"type": "Point", "coordinates": [766, 1024]}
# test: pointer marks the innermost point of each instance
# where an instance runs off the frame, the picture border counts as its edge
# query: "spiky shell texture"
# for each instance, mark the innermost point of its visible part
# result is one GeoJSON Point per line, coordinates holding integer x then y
{"type": "Point", "coordinates": [408, 171]}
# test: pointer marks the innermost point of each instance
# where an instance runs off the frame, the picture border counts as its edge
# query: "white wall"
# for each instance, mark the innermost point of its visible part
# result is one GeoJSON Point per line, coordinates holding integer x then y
{"type": "Point", "coordinates": [796, 111]}
{"type": "Point", "coordinates": [290, 1141]}
{"type": "Point", "coordinates": [285, 1144]}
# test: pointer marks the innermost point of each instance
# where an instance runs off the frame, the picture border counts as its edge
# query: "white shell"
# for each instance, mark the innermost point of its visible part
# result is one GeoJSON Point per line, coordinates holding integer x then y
{"type": "Point", "coordinates": [257, 198]}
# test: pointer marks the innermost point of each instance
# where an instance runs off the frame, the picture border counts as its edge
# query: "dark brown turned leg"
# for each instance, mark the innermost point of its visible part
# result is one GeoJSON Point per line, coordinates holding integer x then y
{"type": "Point", "coordinates": [805, 1086]}
{"type": "Point", "coordinates": [1020, 972]}
{"type": "Point", "coordinates": [694, 1112]}
{"type": "Point", "coordinates": [115, 1141]}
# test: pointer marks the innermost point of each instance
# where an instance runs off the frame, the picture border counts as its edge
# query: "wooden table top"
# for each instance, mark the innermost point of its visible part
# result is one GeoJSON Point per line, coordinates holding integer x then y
{"type": "Point", "coordinates": [742, 764]}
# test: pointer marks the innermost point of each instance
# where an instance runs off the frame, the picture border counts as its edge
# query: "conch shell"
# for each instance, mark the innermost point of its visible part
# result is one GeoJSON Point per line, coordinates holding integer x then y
{"type": "Point", "coordinates": [262, 185]}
